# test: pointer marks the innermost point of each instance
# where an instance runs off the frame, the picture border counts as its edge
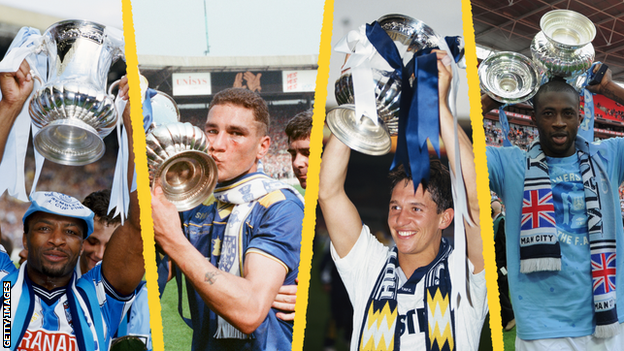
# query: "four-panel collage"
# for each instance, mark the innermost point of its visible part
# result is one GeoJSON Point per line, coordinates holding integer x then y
{"type": "Point", "coordinates": [312, 175]}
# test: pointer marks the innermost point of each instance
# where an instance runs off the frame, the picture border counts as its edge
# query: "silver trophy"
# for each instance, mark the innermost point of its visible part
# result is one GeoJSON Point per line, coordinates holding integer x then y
{"type": "Point", "coordinates": [362, 134]}
{"type": "Point", "coordinates": [73, 109]}
{"type": "Point", "coordinates": [177, 156]}
{"type": "Point", "coordinates": [563, 48]}
{"type": "Point", "coordinates": [359, 132]}
{"type": "Point", "coordinates": [509, 77]}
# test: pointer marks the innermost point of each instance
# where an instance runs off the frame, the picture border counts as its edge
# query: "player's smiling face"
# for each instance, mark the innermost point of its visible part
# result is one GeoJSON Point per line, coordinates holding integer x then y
{"type": "Point", "coordinates": [414, 221]}
{"type": "Point", "coordinates": [94, 246]}
{"type": "Point", "coordinates": [54, 244]}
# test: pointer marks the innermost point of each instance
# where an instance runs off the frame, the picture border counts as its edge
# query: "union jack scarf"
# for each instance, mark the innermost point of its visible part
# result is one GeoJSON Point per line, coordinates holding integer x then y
{"type": "Point", "coordinates": [539, 244]}
{"type": "Point", "coordinates": [379, 328]}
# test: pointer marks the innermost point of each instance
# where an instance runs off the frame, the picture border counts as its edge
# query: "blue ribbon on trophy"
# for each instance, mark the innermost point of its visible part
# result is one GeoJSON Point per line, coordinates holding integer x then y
{"type": "Point", "coordinates": [419, 113]}
{"type": "Point", "coordinates": [586, 129]}
{"type": "Point", "coordinates": [502, 118]}
{"type": "Point", "coordinates": [148, 116]}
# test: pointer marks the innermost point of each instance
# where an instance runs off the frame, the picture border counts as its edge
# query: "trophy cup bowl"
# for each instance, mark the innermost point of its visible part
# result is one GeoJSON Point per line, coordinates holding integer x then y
{"type": "Point", "coordinates": [73, 109]}
{"type": "Point", "coordinates": [362, 134]}
{"type": "Point", "coordinates": [509, 77]}
{"type": "Point", "coordinates": [562, 63]}
{"type": "Point", "coordinates": [567, 30]}
{"type": "Point", "coordinates": [178, 162]}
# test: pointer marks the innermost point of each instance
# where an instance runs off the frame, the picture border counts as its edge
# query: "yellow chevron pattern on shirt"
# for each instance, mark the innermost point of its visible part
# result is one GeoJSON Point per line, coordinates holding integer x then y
{"type": "Point", "coordinates": [378, 333]}
{"type": "Point", "coordinates": [439, 320]}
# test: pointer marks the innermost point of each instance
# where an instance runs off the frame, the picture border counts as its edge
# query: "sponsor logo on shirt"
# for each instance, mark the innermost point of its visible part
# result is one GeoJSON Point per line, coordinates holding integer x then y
{"type": "Point", "coordinates": [43, 340]}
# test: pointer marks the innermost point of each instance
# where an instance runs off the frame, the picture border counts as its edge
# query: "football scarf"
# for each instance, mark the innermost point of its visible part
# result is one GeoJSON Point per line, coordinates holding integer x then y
{"type": "Point", "coordinates": [539, 244]}
{"type": "Point", "coordinates": [243, 194]}
{"type": "Point", "coordinates": [379, 328]}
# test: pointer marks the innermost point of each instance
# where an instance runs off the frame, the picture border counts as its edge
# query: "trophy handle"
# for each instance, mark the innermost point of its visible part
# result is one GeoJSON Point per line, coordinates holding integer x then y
{"type": "Point", "coordinates": [119, 55]}
{"type": "Point", "coordinates": [113, 86]}
{"type": "Point", "coordinates": [36, 77]}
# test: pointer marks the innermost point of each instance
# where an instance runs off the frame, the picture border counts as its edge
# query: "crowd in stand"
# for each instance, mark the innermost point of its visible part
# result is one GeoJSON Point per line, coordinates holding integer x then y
{"type": "Point", "coordinates": [611, 112]}
{"type": "Point", "coordinates": [522, 136]}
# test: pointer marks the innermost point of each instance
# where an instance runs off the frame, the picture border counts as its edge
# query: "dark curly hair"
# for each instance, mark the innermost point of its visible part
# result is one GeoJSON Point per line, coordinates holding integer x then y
{"type": "Point", "coordinates": [439, 184]}
{"type": "Point", "coordinates": [98, 203]}
{"type": "Point", "coordinates": [247, 99]}
{"type": "Point", "coordinates": [300, 126]}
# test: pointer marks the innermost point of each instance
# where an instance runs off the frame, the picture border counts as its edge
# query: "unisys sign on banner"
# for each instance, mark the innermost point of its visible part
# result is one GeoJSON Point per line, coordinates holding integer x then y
{"type": "Point", "coordinates": [195, 83]}
{"type": "Point", "coordinates": [206, 83]}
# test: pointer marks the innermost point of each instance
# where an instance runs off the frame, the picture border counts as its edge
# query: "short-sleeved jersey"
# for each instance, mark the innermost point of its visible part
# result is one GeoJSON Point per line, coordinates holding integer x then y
{"type": "Point", "coordinates": [137, 321]}
{"type": "Point", "coordinates": [558, 304]}
{"type": "Point", "coordinates": [50, 324]}
{"type": "Point", "coordinates": [272, 229]}
{"type": "Point", "coordinates": [359, 270]}
{"type": "Point", "coordinates": [139, 318]}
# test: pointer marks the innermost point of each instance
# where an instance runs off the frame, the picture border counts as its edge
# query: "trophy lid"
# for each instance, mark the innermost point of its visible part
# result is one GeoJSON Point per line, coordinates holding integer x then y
{"type": "Point", "coordinates": [568, 30]}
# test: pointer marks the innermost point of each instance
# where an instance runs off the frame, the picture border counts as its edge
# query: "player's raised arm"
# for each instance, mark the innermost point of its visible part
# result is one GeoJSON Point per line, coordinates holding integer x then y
{"type": "Point", "coordinates": [16, 87]}
{"type": "Point", "coordinates": [343, 221]}
{"type": "Point", "coordinates": [474, 243]}
{"type": "Point", "coordinates": [123, 264]}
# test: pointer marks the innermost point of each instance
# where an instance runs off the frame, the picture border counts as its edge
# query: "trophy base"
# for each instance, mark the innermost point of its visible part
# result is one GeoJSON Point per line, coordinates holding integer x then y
{"type": "Point", "coordinates": [187, 178]}
{"type": "Point", "coordinates": [359, 134]}
{"type": "Point", "coordinates": [69, 142]}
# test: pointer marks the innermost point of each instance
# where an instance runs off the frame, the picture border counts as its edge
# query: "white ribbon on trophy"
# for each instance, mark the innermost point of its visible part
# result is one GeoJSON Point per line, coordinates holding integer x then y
{"type": "Point", "coordinates": [361, 58]}
{"type": "Point", "coordinates": [458, 267]}
{"type": "Point", "coordinates": [120, 197]}
{"type": "Point", "coordinates": [26, 45]}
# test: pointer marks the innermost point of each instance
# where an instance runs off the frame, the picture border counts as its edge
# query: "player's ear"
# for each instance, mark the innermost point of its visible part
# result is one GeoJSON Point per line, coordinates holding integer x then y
{"type": "Point", "coordinates": [446, 218]}
{"type": "Point", "coordinates": [263, 147]}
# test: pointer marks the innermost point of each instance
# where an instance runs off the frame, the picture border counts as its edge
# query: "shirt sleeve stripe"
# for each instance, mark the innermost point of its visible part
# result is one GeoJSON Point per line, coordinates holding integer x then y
{"type": "Point", "coordinates": [268, 256]}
